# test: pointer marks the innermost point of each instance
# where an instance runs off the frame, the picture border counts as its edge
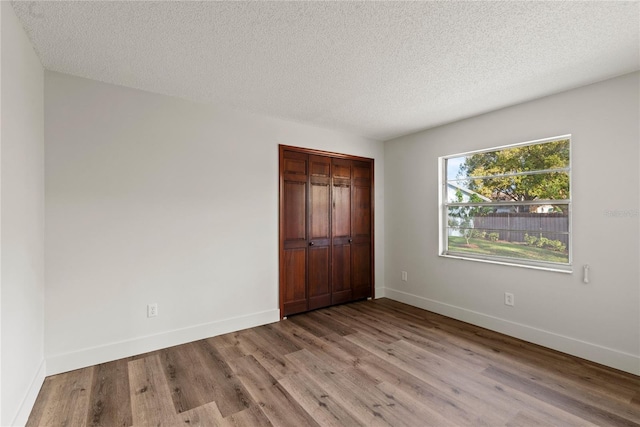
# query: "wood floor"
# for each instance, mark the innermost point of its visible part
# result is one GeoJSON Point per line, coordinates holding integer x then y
{"type": "Point", "coordinates": [368, 363]}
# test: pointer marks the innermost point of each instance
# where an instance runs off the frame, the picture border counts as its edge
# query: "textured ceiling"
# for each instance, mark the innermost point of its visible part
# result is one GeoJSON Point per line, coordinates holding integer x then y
{"type": "Point", "coordinates": [378, 69]}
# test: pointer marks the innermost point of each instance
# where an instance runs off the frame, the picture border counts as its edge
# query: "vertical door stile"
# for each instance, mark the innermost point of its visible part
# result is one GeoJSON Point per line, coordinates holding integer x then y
{"type": "Point", "coordinates": [362, 242]}
{"type": "Point", "coordinates": [319, 224]}
{"type": "Point", "coordinates": [341, 231]}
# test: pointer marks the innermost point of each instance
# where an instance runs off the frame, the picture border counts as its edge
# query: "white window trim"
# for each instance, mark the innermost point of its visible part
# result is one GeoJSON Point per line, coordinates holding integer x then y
{"type": "Point", "coordinates": [515, 262]}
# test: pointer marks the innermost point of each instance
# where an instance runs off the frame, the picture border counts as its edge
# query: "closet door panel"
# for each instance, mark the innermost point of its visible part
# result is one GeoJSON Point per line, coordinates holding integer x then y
{"type": "Point", "coordinates": [293, 229]}
{"type": "Point", "coordinates": [361, 252]}
{"type": "Point", "coordinates": [341, 231]}
{"type": "Point", "coordinates": [326, 236]}
{"type": "Point", "coordinates": [318, 279]}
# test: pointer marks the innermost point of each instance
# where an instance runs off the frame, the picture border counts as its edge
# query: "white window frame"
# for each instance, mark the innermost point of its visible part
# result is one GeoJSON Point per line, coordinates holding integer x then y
{"type": "Point", "coordinates": [518, 262]}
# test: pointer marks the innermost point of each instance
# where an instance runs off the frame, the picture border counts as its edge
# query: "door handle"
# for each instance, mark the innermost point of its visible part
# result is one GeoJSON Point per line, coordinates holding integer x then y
{"type": "Point", "coordinates": [350, 240]}
{"type": "Point", "coordinates": [311, 243]}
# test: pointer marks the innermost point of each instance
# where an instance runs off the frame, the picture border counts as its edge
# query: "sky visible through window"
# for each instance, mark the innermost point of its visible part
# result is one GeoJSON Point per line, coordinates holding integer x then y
{"type": "Point", "coordinates": [453, 167]}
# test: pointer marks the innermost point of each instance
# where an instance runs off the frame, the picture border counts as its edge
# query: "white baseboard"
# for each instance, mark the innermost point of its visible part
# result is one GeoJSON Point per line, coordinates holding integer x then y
{"type": "Point", "coordinates": [59, 363]}
{"type": "Point", "coordinates": [606, 356]}
{"type": "Point", "coordinates": [30, 398]}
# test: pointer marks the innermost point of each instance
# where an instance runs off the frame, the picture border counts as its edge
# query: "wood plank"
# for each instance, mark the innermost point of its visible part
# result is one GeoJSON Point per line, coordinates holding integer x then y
{"type": "Point", "coordinates": [501, 397]}
{"type": "Point", "coordinates": [279, 343]}
{"type": "Point", "coordinates": [250, 417]}
{"type": "Point", "coordinates": [279, 406]}
{"type": "Point", "coordinates": [271, 357]}
{"type": "Point", "coordinates": [68, 403]}
{"type": "Point", "coordinates": [110, 404]}
{"type": "Point", "coordinates": [440, 376]}
{"type": "Point", "coordinates": [313, 326]}
{"type": "Point", "coordinates": [372, 326]}
{"type": "Point", "coordinates": [402, 329]}
{"type": "Point", "coordinates": [423, 412]}
{"type": "Point", "coordinates": [344, 361]}
{"type": "Point", "coordinates": [560, 400]}
{"type": "Point", "coordinates": [203, 416]}
{"type": "Point", "coordinates": [234, 345]}
{"type": "Point", "coordinates": [524, 419]}
{"type": "Point", "coordinates": [334, 323]}
{"type": "Point", "coordinates": [47, 392]}
{"type": "Point", "coordinates": [370, 406]}
{"type": "Point", "coordinates": [186, 377]}
{"type": "Point", "coordinates": [453, 410]}
{"type": "Point", "coordinates": [324, 408]}
{"type": "Point", "coordinates": [151, 402]}
{"type": "Point", "coordinates": [209, 416]}
{"type": "Point", "coordinates": [221, 383]}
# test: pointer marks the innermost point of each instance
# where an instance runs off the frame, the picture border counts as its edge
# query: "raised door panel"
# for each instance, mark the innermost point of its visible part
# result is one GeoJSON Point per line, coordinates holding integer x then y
{"type": "Point", "coordinates": [318, 279]}
{"type": "Point", "coordinates": [361, 270]}
{"type": "Point", "coordinates": [294, 277]}
{"type": "Point", "coordinates": [295, 218]}
{"type": "Point", "coordinates": [320, 198]}
{"type": "Point", "coordinates": [320, 213]}
{"type": "Point", "coordinates": [294, 164]}
{"type": "Point", "coordinates": [362, 214]}
{"type": "Point", "coordinates": [341, 210]}
{"type": "Point", "coordinates": [341, 169]}
{"type": "Point", "coordinates": [342, 207]}
{"type": "Point", "coordinates": [341, 274]}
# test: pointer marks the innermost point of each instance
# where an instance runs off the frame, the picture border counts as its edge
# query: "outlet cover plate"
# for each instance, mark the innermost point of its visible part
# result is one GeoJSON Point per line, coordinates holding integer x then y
{"type": "Point", "coordinates": [509, 299]}
{"type": "Point", "coordinates": [152, 310]}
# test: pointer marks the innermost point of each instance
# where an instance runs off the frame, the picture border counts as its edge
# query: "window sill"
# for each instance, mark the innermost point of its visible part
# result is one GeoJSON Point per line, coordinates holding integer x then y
{"type": "Point", "coordinates": [559, 268]}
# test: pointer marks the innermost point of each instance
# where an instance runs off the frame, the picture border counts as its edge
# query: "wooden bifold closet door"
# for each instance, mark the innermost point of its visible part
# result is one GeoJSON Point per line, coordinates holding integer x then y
{"type": "Point", "coordinates": [326, 229]}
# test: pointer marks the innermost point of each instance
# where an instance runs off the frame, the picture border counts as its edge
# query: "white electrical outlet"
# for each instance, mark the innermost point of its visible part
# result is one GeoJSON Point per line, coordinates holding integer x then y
{"type": "Point", "coordinates": [404, 276]}
{"type": "Point", "coordinates": [152, 310]}
{"type": "Point", "coordinates": [509, 299]}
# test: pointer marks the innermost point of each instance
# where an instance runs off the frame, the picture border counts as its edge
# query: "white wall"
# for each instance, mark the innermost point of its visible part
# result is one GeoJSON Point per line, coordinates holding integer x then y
{"type": "Point", "coordinates": [154, 199]}
{"type": "Point", "coordinates": [22, 221]}
{"type": "Point", "coordinates": [598, 321]}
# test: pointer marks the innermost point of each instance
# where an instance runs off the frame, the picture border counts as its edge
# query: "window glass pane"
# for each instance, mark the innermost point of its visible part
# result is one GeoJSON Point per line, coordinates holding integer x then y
{"type": "Point", "coordinates": [551, 251]}
{"type": "Point", "coordinates": [537, 232]}
{"type": "Point", "coordinates": [539, 186]}
{"type": "Point", "coordinates": [538, 157]}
